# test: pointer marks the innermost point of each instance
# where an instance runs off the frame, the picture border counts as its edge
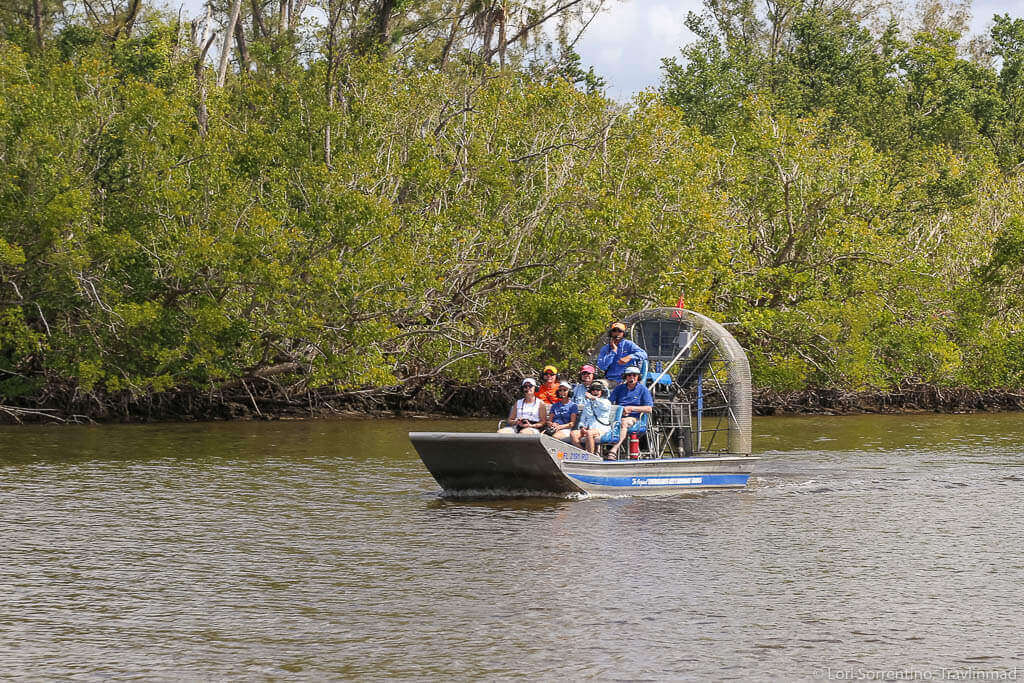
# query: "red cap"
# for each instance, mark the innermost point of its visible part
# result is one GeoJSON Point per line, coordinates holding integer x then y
{"type": "Point", "coordinates": [588, 368]}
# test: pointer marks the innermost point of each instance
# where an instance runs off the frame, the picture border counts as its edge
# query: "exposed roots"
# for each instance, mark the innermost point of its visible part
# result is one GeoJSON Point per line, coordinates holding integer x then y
{"type": "Point", "coordinates": [906, 399]}
{"type": "Point", "coordinates": [267, 399]}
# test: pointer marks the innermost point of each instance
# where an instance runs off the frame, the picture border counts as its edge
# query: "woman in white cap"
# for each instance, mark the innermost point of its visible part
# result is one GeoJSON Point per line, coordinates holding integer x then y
{"type": "Point", "coordinates": [562, 415]}
{"type": "Point", "coordinates": [528, 414]}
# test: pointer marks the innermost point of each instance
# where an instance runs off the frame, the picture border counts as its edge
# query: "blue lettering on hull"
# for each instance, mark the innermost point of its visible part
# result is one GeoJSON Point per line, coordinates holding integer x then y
{"type": "Point", "coordinates": [673, 480]}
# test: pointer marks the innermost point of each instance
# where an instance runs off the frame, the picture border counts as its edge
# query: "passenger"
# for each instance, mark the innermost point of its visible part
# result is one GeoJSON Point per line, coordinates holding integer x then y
{"type": "Point", "coordinates": [528, 414]}
{"type": "Point", "coordinates": [579, 392]}
{"type": "Point", "coordinates": [618, 353]}
{"type": "Point", "coordinates": [635, 400]}
{"type": "Point", "coordinates": [548, 389]}
{"type": "Point", "coordinates": [563, 415]}
{"type": "Point", "coordinates": [596, 417]}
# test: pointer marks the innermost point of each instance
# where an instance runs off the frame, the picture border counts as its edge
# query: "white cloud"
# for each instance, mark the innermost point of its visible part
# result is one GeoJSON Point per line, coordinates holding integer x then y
{"type": "Point", "coordinates": [982, 11]}
{"type": "Point", "coordinates": [626, 43]}
{"type": "Point", "coordinates": [665, 24]}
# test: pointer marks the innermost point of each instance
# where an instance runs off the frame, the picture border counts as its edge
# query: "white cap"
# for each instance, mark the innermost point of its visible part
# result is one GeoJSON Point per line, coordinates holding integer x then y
{"type": "Point", "coordinates": [529, 380]}
{"type": "Point", "coordinates": [631, 370]}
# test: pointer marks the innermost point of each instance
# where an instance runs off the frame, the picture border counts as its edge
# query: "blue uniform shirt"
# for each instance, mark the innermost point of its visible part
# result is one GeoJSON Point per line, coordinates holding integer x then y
{"type": "Point", "coordinates": [639, 396]}
{"type": "Point", "coordinates": [561, 413]}
{"type": "Point", "coordinates": [608, 360]}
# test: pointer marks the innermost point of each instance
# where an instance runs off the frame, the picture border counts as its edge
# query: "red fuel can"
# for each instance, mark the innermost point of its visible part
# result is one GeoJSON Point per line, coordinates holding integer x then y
{"type": "Point", "coordinates": [634, 447]}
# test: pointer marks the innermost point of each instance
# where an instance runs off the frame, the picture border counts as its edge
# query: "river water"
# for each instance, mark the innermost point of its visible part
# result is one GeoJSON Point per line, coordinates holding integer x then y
{"type": "Point", "coordinates": [867, 548]}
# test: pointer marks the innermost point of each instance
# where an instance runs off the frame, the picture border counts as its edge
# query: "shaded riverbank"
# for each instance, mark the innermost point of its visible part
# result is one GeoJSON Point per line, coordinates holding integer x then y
{"type": "Point", "coordinates": [267, 401]}
{"type": "Point", "coordinates": [906, 399]}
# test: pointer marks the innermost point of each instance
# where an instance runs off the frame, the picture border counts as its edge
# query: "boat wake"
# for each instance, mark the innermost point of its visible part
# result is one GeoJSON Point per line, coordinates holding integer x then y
{"type": "Point", "coordinates": [793, 487]}
{"type": "Point", "coordinates": [489, 494]}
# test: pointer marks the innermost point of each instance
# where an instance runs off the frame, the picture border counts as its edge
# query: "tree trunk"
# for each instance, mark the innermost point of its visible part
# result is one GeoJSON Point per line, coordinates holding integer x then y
{"type": "Point", "coordinates": [333, 18]}
{"type": "Point", "coordinates": [243, 47]}
{"type": "Point", "coordinates": [295, 14]}
{"type": "Point", "coordinates": [501, 38]}
{"type": "Point", "coordinates": [327, 129]}
{"type": "Point", "coordinates": [198, 68]}
{"type": "Point", "coordinates": [257, 20]}
{"type": "Point", "coordinates": [129, 21]}
{"type": "Point", "coordinates": [382, 22]}
{"type": "Point", "coordinates": [225, 52]}
{"type": "Point", "coordinates": [37, 22]}
{"type": "Point", "coordinates": [562, 7]}
{"type": "Point", "coordinates": [380, 27]}
{"type": "Point", "coordinates": [451, 40]}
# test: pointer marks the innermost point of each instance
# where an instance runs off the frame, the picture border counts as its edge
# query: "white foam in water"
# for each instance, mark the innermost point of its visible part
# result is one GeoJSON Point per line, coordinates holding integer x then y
{"type": "Point", "coordinates": [807, 486]}
{"type": "Point", "coordinates": [508, 493]}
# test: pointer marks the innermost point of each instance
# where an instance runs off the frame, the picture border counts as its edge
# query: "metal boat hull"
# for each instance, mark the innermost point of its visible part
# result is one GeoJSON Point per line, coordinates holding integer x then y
{"type": "Point", "coordinates": [471, 463]}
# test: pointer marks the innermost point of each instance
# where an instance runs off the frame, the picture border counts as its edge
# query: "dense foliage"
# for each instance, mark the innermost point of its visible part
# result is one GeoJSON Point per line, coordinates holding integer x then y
{"type": "Point", "coordinates": [385, 211]}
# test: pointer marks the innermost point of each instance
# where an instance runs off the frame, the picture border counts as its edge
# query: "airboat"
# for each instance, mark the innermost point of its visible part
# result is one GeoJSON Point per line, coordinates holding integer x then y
{"type": "Point", "coordinates": [697, 437]}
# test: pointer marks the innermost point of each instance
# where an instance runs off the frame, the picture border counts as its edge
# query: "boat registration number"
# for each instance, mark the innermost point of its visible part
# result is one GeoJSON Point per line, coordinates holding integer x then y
{"type": "Point", "coordinates": [577, 456]}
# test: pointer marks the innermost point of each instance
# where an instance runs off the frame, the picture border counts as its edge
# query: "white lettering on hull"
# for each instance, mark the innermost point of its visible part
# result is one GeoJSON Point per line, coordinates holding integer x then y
{"type": "Point", "coordinates": [666, 481]}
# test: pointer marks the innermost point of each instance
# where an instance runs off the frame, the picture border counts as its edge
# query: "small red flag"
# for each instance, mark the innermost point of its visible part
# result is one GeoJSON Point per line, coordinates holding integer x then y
{"type": "Point", "coordinates": [680, 305]}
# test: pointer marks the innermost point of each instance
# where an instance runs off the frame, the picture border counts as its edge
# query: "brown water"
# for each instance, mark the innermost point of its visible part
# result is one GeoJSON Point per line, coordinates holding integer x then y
{"type": "Point", "coordinates": [317, 550]}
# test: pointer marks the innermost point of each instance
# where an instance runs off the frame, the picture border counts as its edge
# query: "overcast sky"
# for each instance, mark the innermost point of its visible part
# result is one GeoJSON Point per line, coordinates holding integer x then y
{"type": "Point", "coordinates": [625, 44]}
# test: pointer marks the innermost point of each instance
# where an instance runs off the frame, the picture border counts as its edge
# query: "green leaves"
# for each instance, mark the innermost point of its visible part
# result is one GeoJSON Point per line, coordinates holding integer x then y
{"type": "Point", "coordinates": [881, 240]}
{"type": "Point", "coordinates": [370, 226]}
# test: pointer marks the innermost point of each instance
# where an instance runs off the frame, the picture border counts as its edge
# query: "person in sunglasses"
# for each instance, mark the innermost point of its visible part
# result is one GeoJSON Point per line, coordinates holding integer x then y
{"type": "Point", "coordinates": [562, 414]}
{"type": "Point", "coordinates": [618, 354]}
{"type": "Point", "coordinates": [635, 400]}
{"type": "Point", "coordinates": [529, 414]}
{"type": "Point", "coordinates": [548, 389]}
{"type": "Point", "coordinates": [595, 419]}
{"type": "Point", "coordinates": [579, 392]}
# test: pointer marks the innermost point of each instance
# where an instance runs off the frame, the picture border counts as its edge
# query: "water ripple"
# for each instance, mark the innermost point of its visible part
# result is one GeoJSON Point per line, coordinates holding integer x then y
{"type": "Point", "coordinates": [324, 550]}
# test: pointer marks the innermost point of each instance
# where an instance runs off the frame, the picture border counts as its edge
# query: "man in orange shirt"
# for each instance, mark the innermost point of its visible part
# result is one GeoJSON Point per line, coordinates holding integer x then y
{"type": "Point", "coordinates": [548, 389]}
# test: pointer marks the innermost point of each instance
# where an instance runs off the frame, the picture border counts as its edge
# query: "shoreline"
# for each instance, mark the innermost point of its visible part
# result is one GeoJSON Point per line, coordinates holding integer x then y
{"type": "Point", "coordinates": [477, 402]}
{"type": "Point", "coordinates": [908, 399]}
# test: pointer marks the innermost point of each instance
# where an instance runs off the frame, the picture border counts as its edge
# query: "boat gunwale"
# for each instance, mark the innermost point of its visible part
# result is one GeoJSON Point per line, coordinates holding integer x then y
{"type": "Point", "coordinates": [628, 461]}
{"type": "Point", "coordinates": [540, 438]}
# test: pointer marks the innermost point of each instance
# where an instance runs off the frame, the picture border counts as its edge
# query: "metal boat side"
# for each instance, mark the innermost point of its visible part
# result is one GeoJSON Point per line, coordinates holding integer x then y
{"type": "Point", "coordinates": [462, 461]}
{"type": "Point", "coordinates": [661, 476]}
{"type": "Point", "coordinates": [473, 462]}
